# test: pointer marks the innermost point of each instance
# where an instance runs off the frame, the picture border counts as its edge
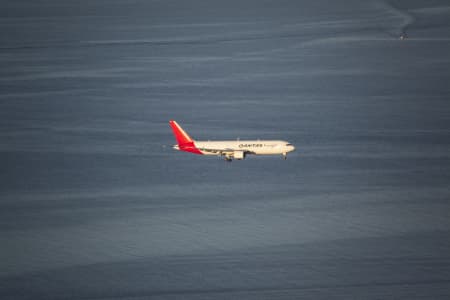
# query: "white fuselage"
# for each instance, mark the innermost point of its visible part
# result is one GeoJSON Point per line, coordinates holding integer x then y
{"type": "Point", "coordinates": [256, 147]}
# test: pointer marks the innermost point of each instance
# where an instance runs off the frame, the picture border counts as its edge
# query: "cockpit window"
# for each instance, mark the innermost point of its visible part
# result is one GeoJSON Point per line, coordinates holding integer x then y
{"type": "Point", "coordinates": [288, 144]}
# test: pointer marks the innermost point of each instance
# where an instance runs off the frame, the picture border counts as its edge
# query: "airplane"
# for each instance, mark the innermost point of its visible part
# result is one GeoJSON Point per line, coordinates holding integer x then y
{"type": "Point", "coordinates": [228, 149]}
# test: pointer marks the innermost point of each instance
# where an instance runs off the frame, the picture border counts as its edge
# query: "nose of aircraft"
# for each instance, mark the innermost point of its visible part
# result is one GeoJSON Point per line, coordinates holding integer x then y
{"type": "Point", "coordinates": [289, 147]}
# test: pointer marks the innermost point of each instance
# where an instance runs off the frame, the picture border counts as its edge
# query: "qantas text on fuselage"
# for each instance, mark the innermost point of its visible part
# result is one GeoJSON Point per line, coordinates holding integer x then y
{"type": "Point", "coordinates": [229, 149]}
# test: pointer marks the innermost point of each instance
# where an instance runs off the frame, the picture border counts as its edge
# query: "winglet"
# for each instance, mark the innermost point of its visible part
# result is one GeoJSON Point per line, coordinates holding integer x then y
{"type": "Point", "coordinates": [180, 135]}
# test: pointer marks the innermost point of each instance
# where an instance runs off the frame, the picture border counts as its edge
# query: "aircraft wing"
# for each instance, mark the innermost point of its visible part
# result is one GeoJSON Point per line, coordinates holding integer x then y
{"type": "Point", "coordinates": [218, 151]}
{"type": "Point", "coordinates": [225, 151]}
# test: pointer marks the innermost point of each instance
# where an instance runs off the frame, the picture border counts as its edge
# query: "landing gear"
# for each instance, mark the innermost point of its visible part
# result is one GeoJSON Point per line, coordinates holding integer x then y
{"type": "Point", "coordinates": [228, 159]}
{"type": "Point", "coordinates": [285, 156]}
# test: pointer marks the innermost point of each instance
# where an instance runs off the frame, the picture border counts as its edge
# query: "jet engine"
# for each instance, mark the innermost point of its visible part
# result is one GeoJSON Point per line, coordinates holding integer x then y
{"type": "Point", "coordinates": [239, 155]}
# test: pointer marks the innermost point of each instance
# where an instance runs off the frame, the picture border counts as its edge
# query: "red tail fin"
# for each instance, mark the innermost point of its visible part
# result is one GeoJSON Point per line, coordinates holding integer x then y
{"type": "Point", "coordinates": [185, 142]}
{"type": "Point", "coordinates": [181, 136]}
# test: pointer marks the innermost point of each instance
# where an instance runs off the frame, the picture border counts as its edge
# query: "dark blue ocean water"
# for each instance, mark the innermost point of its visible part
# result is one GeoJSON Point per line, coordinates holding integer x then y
{"type": "Point", "coordinates": [94, 203]}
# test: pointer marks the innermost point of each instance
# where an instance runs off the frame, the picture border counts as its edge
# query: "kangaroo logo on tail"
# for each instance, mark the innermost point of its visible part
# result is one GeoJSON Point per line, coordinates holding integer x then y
{"type": "Point", "coordinates": [185, 142]}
